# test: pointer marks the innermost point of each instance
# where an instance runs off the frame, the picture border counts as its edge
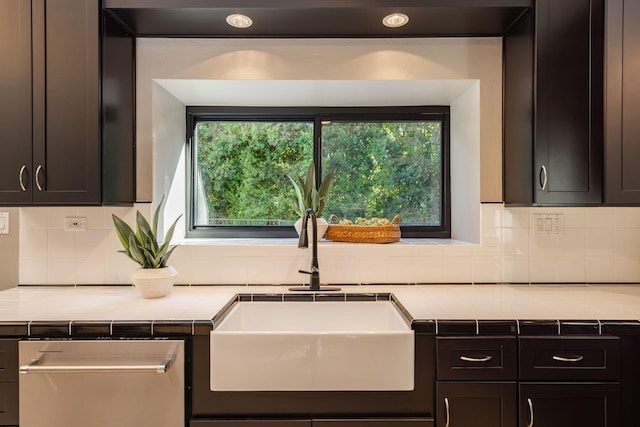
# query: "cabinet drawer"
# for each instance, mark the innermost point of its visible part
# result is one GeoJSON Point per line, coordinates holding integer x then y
{"type": "Point", "coordinates": [570, 358]}
{"type": "Point", "coordinates": [9, 404]}
{"type": "Point", "coordinates": [477, 358]}
{"type": "Point", "coordinates": [250, 423]}
{"type": "Point", "coordinates": [375, 422]}
{"type": "Point", "coordinates": [8, 360]}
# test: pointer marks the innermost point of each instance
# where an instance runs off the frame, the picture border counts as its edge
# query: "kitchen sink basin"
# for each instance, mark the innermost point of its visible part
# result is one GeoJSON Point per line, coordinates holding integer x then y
{"type": "Point", "coordinates": [312, 346]}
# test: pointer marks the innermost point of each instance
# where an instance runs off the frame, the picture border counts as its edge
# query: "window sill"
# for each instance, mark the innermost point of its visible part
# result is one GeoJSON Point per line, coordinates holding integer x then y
{"type": "Point", "coordinates": [289, 241]}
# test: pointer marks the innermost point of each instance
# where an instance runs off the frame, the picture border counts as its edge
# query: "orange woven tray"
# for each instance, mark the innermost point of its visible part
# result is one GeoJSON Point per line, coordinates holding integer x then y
{"type": "Point", "coordinates": [363, 233]}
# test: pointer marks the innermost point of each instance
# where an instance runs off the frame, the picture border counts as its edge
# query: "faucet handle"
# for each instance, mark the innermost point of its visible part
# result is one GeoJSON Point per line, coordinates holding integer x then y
{"type": "Point", "coordinates": [314, 271]}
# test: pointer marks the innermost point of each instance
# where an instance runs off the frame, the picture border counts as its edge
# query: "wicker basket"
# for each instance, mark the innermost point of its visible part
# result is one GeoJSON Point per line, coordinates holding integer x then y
{"type": "Point", "coordinates": [363, 233]}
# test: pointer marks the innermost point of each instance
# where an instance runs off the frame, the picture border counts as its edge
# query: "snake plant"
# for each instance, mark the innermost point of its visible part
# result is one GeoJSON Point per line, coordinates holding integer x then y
{"type": "Point", "coordinates": [307, 196]}
{"type": "Point", "coordinates": [142, 245]}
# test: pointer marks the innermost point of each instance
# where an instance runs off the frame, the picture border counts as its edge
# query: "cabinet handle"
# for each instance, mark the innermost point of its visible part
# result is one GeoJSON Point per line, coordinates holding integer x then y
{"type": "Point", "coordinates": [20, 176]}
{"type": "Point", "coordinates": [446, 408]}
{"type": "Point", "coordinates": [38, 366]}
{"type": "Point", "coordinates": [530, 413]}
{"type": "Point", "coordinates": [572, 358]}
{"type": "Point", "coordinates": [38, 177]}
{"type": "Point", "coordinates": [476, 359]}
{"type": "Point", "coordinates": [543, 177]}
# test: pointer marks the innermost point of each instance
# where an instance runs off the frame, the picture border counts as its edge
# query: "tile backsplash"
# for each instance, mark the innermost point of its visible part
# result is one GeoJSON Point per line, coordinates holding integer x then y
{"type": "Point", "coordinates": [598, 245]}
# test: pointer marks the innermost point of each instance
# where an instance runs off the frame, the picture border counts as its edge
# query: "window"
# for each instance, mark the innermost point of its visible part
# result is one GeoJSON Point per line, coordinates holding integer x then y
{"type": "Point", "coordinates": [385, 161]}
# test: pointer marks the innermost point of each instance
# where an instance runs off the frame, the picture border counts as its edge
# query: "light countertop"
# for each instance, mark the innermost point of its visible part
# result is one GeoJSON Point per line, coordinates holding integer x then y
{"type": "Point", "coordinates": [432, 302]}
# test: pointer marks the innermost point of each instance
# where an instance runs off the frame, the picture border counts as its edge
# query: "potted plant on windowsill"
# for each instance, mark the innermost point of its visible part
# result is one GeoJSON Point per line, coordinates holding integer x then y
{"type": "Point", "coordinates": [308, 195]}
{"type": "Point", "coordinates": [154, 278]}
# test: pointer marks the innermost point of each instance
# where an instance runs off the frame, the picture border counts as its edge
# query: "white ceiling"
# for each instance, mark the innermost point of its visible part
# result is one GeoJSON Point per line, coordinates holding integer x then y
{"type": "Point", "coordinates": [316, 93]}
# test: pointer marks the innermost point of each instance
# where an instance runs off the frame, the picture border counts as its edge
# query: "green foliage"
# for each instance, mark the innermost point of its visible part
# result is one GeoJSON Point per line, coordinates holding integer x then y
{"type": "Point", "coordinates": [307, 196]}
{"type": "Point", "coordinates": [384, 169]}
{"type": "Point", "coordinates": [142, 246]}
{"type": "Point", "coordinates": [379, 169]}
{"type": "Point", "coordinates": [244, 166]}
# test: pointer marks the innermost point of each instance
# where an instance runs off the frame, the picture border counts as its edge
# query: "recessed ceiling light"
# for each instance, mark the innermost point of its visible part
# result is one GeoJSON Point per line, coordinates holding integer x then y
{"type": "Point", "coordinates": [239, 21]}
{"type": "Point", "coordinates": [395, 20]}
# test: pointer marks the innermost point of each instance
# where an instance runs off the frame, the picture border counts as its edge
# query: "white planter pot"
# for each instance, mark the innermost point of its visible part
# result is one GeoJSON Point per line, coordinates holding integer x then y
{"type": "Point", "coordinates": [322, 227]}
{"type": "Point", "coordinates": [154, 282]}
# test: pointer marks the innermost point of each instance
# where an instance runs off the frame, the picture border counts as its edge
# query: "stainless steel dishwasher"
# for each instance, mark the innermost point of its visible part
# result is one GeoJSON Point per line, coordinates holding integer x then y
{"type": "Point", "coordinates": [102, 383]}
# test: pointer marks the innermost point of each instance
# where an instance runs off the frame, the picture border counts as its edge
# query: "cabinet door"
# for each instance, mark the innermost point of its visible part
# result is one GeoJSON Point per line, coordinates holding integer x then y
{"type": "Point", "coordinates": [622, 102]}
{"type": "Point", "coordinates": [66, 98]}
{"type": "Point", "coordinates": [569, 405]}
{"type": "Point", "coordinates": [517, 113]}
{"type": "Point", "coordinates": [118, 113]}
{"type": "Point", "coordinates": [568, 102]}
{"type": "Point", "coordinates": [15, 104]}
{"type": "Point", "coordinates": [9, 404]}
{"type": "Point", "coordinates": [249, 423]}
{"type": "Point", "coordinates": [476, 404]}
{"type": "Point", "coordinates": [375, 422]}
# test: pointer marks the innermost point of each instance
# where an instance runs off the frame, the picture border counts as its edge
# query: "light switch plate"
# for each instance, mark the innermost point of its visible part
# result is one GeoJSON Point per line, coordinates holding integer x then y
{"type": "Point", "coordinates": [548, 224]}
{"type": "Point", "coordinates": [4, 222]}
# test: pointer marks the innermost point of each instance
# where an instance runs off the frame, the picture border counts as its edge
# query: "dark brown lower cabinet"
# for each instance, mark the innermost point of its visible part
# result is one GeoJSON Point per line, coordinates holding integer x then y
{"type": "Point", "coordinates": [8, 404]}
{"type": "Point", "coordinates": [476, 404]}
{"type": "Point", "coordinates": [250, 423]}
{"type": "Point", "coordinates": [375, 422]}
{"type": "Point", "coordinates": [360, 422]}
{"type": "Point", "coordinates": [569, 405]}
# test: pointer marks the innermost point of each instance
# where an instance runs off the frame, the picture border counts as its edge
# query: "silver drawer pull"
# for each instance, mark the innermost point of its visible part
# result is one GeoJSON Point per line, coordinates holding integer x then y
{"type": "Point", "coordinates": [476, 359]}
{"type": "Point", "coordinates": [530, 403]}
{"type": "Point", "coordinates": [573, 358]}
{"type": "Point", "coordinates": [37, 366]}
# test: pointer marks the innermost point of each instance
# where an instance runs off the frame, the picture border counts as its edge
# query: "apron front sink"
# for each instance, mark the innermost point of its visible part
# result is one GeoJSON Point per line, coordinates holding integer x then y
{"type": "Point", "coordinates": [312, 346]}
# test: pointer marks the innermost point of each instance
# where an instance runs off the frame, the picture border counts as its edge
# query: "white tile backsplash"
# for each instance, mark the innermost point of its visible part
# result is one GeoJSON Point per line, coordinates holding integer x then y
{"type": "Point", "coordinates": [571, 269]}
{"type": "Point", "coordinates": [600, 242]}
{"type": "Point", "coordinates": [599, 245]}
{"type": "Point", "coordinates": [600, 218]}
{"type": "Point", "coordinates": [572, 242]}
{"type": "Point", "coordinates": [515, 218]}
{"type": "Point", "coordinates": [599, 269]}
{"type": "Point", "coordinates": [515, 241]}
{"type": "Point", "coordinates": [627, 217]}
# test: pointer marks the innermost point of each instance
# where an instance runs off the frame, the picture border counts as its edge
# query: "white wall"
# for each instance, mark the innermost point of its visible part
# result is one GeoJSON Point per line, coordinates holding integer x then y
{"type": "Point", "coordinates": [245, 63]}
{"type": "Point", "coordinates": [465, 167]}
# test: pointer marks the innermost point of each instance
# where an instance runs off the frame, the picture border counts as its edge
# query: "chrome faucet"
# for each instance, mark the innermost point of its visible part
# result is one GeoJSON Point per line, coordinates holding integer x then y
{"type": "Point", "coordinates": [314, 273]}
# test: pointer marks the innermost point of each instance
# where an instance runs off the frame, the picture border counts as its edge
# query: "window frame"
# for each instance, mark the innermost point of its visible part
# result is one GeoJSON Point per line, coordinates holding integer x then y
{"type": "Point", "coordinates": [196, 114]}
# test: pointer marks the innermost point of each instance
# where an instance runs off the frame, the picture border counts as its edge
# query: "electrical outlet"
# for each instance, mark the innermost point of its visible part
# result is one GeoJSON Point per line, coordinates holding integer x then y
{"type": "Point", "coordinates": [75, 223]}
{"type": "Point", "coordinates": [548, 224]}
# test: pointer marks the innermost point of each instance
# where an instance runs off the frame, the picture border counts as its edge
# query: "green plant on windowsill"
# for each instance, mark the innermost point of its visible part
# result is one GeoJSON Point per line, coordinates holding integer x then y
{"type": "Point", "coordinates": [155, 278]}
{"type": "Point", "coordinates": [307, 195]}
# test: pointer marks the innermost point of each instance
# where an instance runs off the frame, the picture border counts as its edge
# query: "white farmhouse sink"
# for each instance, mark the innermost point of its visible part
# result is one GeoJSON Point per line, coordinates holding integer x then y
{"type": "Point", "coordinates": [312, 346]}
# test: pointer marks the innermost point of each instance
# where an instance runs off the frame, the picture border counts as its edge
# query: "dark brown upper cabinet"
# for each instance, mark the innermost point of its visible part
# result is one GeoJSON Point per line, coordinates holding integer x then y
{"type": "Point", "coordinates": [15, 101]}
{"type": "Point", "coordinates": [622, 112]}
{"type": "Point", "coordinates": [52, 118]}
{"type": "Point", "coordinates": [553, 105]}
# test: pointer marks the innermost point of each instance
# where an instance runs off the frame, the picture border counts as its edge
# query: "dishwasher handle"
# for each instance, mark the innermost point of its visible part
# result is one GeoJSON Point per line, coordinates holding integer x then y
{"type": "Point", "coordinates": [37, 366]}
